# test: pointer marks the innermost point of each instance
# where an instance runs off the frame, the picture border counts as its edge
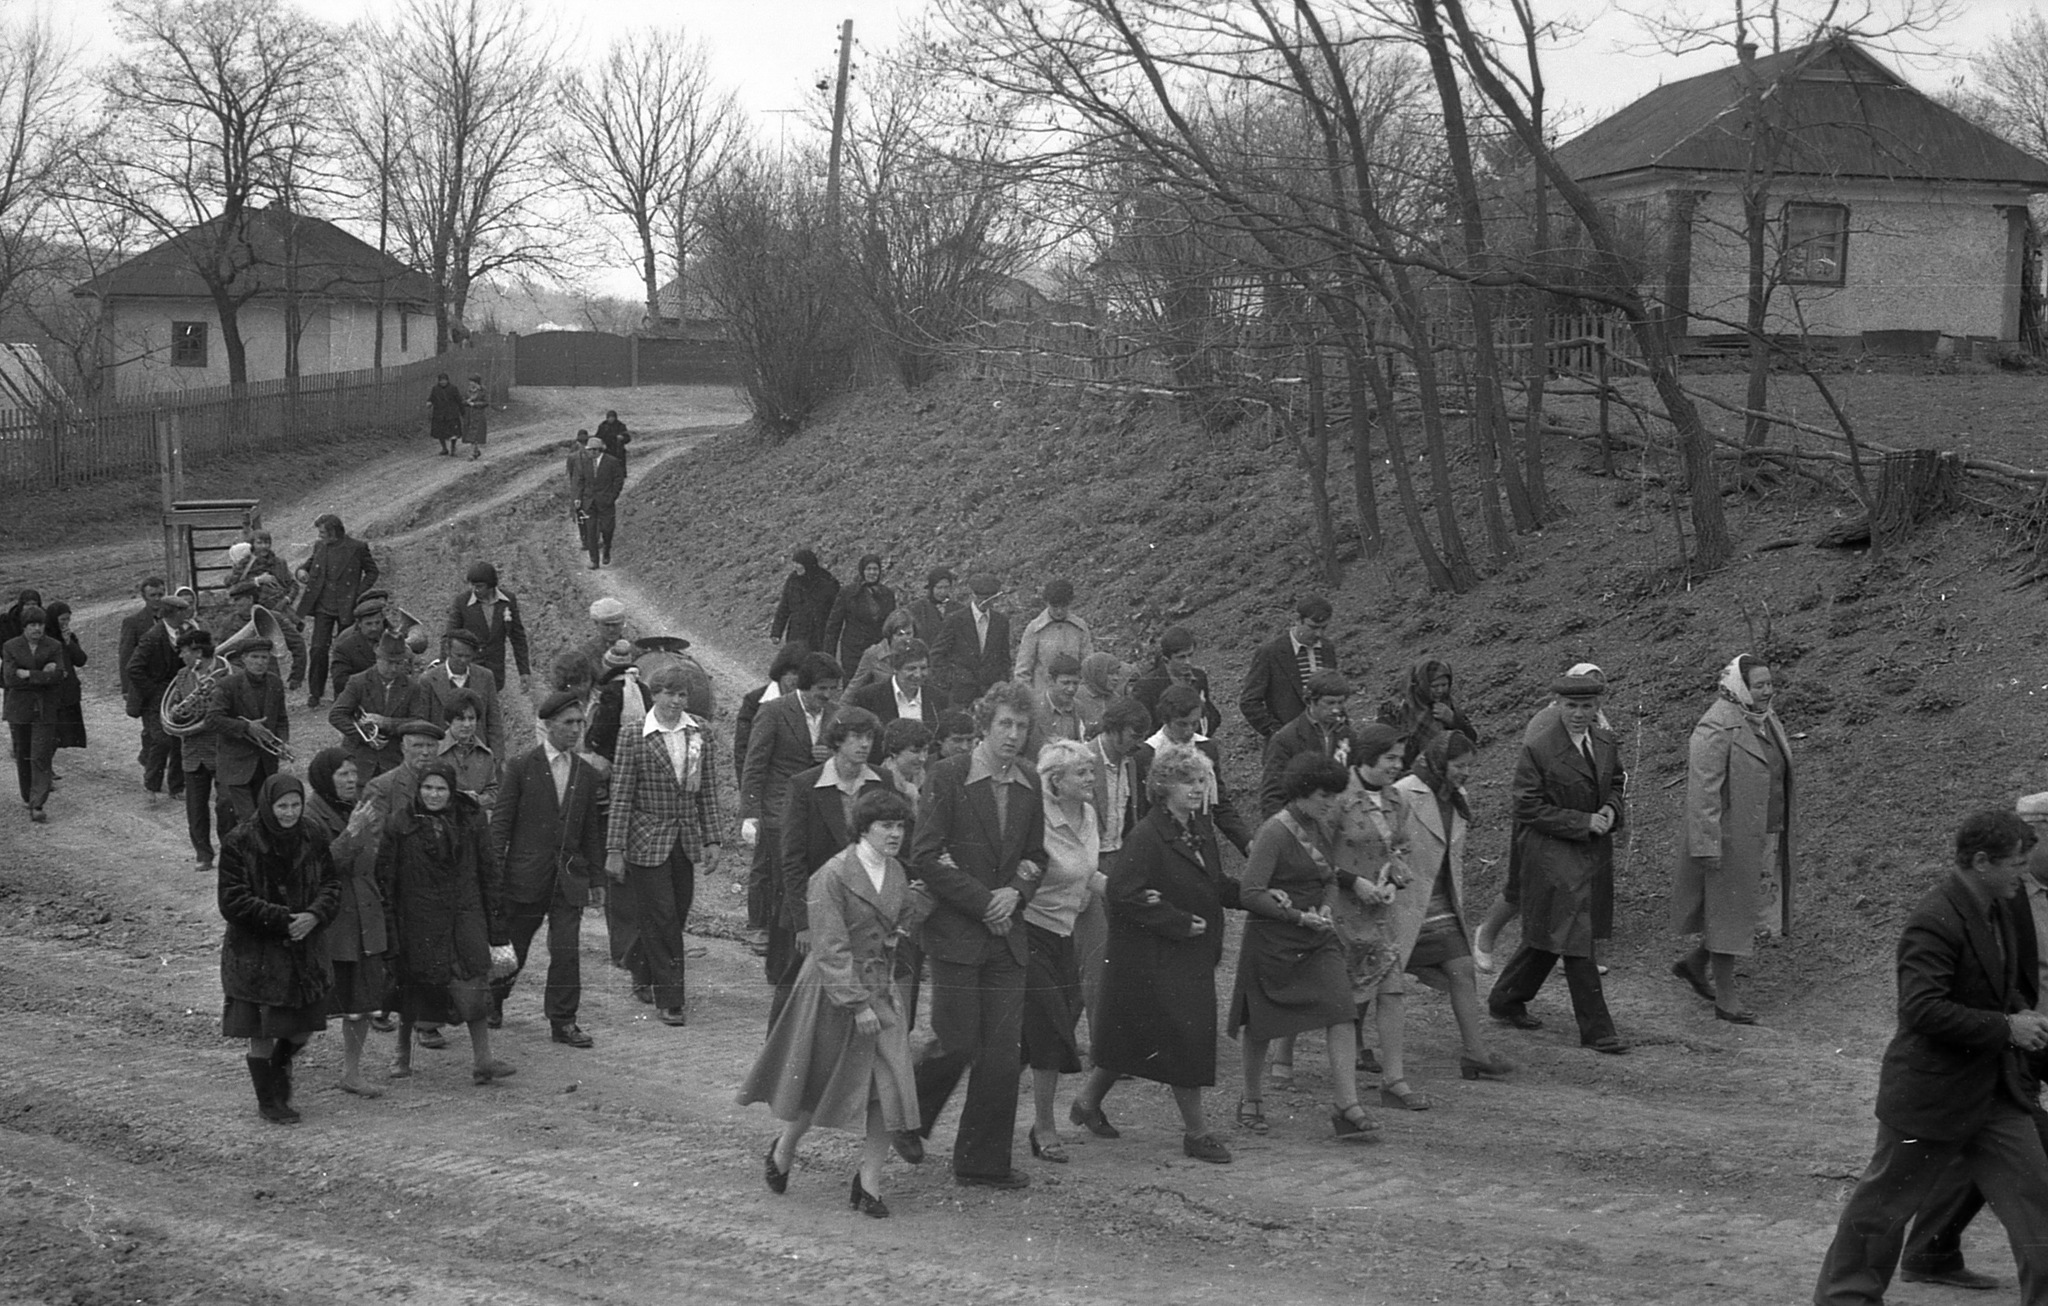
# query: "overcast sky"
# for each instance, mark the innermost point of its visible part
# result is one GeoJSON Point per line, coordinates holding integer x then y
{"type": "Point", "coordinates": [772, 51]}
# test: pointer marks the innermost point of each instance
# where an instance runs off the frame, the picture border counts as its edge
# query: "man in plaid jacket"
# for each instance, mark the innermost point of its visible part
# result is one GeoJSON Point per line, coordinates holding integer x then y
{"type": "Point", "coordinates": [664, 815]}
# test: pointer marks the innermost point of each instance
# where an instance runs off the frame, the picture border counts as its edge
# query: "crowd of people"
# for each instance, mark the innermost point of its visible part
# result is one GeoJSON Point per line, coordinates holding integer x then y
{"type": "Point", "coordinates": [1027, 835]}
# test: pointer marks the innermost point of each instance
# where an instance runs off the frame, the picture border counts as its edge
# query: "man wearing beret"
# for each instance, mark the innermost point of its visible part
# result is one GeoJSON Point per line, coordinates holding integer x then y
{"type": "Point", "coordinates": [337, 574]}
{"type": "Point", "coordinates": [457, 673]}
{"type": "Point", "coordinates": [149, 671]}
{"type": "Point", "coordinates": [548, 832]}
{"type": "Point", "coordinates": [378, 702]}
{"type": "Point", "coordinates": [356, 651]}
{"type": "Point", "coordinates": [973, 648]}
{"type": "Point", "coordinates": [1957, 1102]}
{"type": "Point", "coordinates": [1567, 804]}
{"type": "Point", "coordinates": [492, 615]}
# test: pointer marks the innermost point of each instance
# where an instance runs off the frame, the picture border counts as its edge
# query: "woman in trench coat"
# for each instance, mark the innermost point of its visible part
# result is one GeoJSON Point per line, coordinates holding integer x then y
{"type": "Point", "coordinates": [1737, 857]}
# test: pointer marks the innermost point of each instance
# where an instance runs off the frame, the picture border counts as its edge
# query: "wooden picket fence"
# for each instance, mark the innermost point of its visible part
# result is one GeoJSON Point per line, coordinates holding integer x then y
{"type": "Point", "coordinates": [61, 444]}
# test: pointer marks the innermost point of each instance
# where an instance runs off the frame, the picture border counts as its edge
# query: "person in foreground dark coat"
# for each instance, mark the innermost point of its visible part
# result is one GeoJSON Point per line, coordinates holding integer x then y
{"type": "Point", "coordinates": [1276, 683]}
{"type": "Point", "coordinates": [547, 833]}
{"type": "Point", "coordinates": [1954, 1091]}
{"type": "Point", "coordinates": [972, 651]}
{"type": "Point", "coordinates": [339, 572]}
{"type": "Point", "coordinates": [980, 851]}
{"type": "Point", "coordinates": [147, 672]}
{"type": "Point", "coordinates": [1167, 893]}
{"type": "Point", "coordinates": [34, 667]}
{"type": "Point", "coordinates": [857, 616]}
{"type": "Point", "coordinates": [807, 598]}
{"type": "Point", "coordinates": [71, 695]}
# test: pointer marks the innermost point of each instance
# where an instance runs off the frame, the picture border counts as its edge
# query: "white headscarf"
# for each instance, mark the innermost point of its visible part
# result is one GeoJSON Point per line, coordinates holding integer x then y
{"type": "Point", "coordinates": [1735, 688]}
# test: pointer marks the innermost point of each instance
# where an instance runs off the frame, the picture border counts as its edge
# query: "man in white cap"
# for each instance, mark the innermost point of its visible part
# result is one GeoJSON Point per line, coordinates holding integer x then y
{"type": "Point", "coordinates": [608, 616]}
{"type": "Point", "coordinates": [1934, 1248]}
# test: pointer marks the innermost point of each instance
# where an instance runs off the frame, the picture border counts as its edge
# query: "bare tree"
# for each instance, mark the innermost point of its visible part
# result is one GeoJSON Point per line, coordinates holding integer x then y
{"type": "Point", "coordinates": [215, 104]}
{"type": "Point", "coordinates": [644, 133]}
{"type": "Point", "coordinates": [2011, 95]}
{"type": "Point", "coordinates": [373, 118]}
{"type": "Point", "coordinates": [472, 176]}
{"type": "Point", "coordinates": [43, 129]}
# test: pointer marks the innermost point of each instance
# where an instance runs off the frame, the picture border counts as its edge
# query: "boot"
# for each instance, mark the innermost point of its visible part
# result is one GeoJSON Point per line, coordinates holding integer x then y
{"type": "Point", "coordinates": [281, 1074]}
{"type": "Point", "coordinates": [264, 1076]}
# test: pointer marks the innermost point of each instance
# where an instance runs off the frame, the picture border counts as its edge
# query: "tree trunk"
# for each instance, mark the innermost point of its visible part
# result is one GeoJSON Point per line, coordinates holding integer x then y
{"type": "Point", "coordinates": [1370, 536]}
{"type": "Point", "coordinates": [1315, 456]}
{"type": "Point", "coordinates": [649, 277]}
{"type": "Point", "coordinates": [1441, 576]}
{"type": "Point", "coordinates": [1756, 232]}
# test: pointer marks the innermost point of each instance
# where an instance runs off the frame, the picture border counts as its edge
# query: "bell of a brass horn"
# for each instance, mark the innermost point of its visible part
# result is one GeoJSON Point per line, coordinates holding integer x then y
{"type": "Point", "coordinates": [261, 628]}
{"type": "Point", "coordinates": [407, 627]}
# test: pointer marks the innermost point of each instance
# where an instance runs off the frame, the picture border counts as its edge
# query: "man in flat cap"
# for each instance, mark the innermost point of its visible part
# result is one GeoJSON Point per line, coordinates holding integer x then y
{"type": "Point", "coordinates": [1934, 1246]}
{"type": "Point", "coordinates": [356, 651]}
{"type": "Point", "coordinates": [492, 615]}
{"type": "Point", "coordinates": [1567, 804]}
{"type": "Point", "coordinates": [548, 832]}
{"type": "Point", "coordinates": [1957, 1100]}
{"type": "Point", "coordinates": [973, 648]}
{"type": "Point", "coordinates": [250, 730]}
{"type": "Point", "coordinates": [458, 673]}
{"type": "Point", "coordinates": [149, 672]}
{"type": "Point", "coordinates": [337, 574]}
{"type": "Point", "coordinates": [608, 627]}
{"type": "Point", "coordinates": [1055, 630]}
{"type": "Point", "coordinates": [375, 704]}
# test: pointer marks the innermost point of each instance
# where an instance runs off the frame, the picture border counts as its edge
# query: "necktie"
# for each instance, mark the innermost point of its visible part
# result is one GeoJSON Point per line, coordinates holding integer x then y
{"type": "Point", "coordinates": [1586, 751]}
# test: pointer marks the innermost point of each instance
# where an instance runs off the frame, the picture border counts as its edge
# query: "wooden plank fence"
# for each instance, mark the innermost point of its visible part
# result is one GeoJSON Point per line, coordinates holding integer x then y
{"type": "Point", "coordinates": [76, 445]}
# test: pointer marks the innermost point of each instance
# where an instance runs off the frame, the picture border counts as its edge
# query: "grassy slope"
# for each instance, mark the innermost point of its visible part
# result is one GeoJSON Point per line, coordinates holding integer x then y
{"type": "Point", "coordinates": [1911, 685]}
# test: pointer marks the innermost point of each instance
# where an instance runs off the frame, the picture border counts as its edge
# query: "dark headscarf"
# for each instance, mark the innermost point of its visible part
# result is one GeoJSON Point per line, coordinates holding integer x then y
{"type": "Point", "coordinates": [807, 559]}
{"type": "Point", "coordinates": [320, 775]}
{"type": "Point", "coordinates": [1433, 765]}
{"type": "Point", "coordinates": [439, 827]}
{"type": "Point", "coordinates": [281, 840]}
{"type": "Point", "coordinates": [50, 615]}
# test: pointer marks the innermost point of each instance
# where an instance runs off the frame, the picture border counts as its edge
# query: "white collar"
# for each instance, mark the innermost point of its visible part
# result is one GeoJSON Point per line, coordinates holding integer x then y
{"type": "Point", "coordinates": [1159, 739]}
{"type": "Point", "coordinates": [553, 753]}
{"type": "Point", "coordinates": [829, 777]}
{"type": "Point", "coordinates": [496, 594]}
{"type": "Point", "coordinates": [873, 862]}
{"type": "Point", "coordinates": [653, 725]}
{"type": "Point", "coordinates": [908, 698]}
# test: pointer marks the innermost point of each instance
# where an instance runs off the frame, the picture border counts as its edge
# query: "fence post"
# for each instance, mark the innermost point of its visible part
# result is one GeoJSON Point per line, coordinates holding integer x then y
{"type": "Point", "coordinates": [164, 424]}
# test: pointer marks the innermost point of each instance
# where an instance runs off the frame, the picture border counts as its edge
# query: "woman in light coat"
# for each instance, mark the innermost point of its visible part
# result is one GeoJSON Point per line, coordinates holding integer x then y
{"type": "Point", "coordinates": [839, 1054]}
{"type": "Point", "coordinates": [1736, 860]}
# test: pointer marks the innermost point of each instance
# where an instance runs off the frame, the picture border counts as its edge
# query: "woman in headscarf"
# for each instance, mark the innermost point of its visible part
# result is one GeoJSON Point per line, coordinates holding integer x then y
{"type": "Point", "coordinates": [1103, 676]}
{"type": "Point", "coordinates": [334, 783]}
{"type": "Point", "coordinates": [839, 1053]}
{"type": "Point", "coordinates": [71, 695]}
{"type": "Point", "coordinates": [1438, 817]}
{"type": "Point", "coordinates": [356, 941]}
{"type": "Point", "coordinates": [859, 615]}
{"type": "Point", "coordinates": [441, 916]}
{"type": "Point", "coordinates": [277, 889]}
{"type": "Point", "coordinates": [1736, 860]}
{"type": "Point", "coordinates": [1427, 711]}
{"type": "Point", "coordinates": [807, 598]}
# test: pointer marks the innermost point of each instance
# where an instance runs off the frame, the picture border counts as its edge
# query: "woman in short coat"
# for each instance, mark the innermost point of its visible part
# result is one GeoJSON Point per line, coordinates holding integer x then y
{"type": "Point", "coordinates": [1736, 855]}
{"type": "Point", "coordinates": [71, 695]}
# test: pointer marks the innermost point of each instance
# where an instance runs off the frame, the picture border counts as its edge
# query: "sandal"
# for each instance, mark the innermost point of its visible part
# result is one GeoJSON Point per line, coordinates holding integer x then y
{"type": "Point", "coordinates": [1251, 1114]}
{"type": "Point", "coordinates": [1352, 1125]}
{"type": "Point", "coordinates": [1281, 1075]}
{"type": "Point", "coordinates": [1398, 1094]}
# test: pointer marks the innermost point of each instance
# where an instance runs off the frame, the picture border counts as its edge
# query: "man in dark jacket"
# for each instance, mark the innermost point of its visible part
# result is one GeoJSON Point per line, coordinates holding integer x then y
{"type": "Point", "coordinates": [548, 832]}
{"type": "Point", "coordinates": [356, 651]}
{"type": "Point", "coordinates": [807, 598]}
{"type": "Point", "coordinates": [33, 667]}
{"type": "Point", "coordinates": [1275, 685]}
{"type": "Point", "coordinates": [150, 669]}
{"type": "Point", "coordinates": [788, 737]}
{"type": "Point", "coordinates": [981, 851]}
{"type": "Point", "coordinates": [492, 615]}
{"type": "Point", "coordinates": [1567, 804]}
{"type": "Point", "coordinates": [903, 695]}
{"type": "Point", "coordinates": [133, 627]}
{"type": "Point", "coordinates": [973, 648]}
{"type": "Point", "coordinates": [445, 407]}
{"type": "Point", "coordinates": [249, 728]}
{"type": "Point", "coordinates": [856, 618]}
{"type": "Point", "coordinates": [336, 576]}
{"type": "Point", "coordinates": [1321, 728]}
{"type": "Point", "coordinates": [930, 612]}
{"type": "Point", "coordinates": [376, 703]}
{"type": "Point", "coordinates": [596, 480]}
{"type": "Point", "coordinates": [1954, 1090]}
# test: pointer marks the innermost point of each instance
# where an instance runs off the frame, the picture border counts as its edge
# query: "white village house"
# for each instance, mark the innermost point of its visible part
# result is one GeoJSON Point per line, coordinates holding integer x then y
{"type": "Point", "coordinates": [1895, 221]}
{"type": "Point", "coordinates": [160, 330]}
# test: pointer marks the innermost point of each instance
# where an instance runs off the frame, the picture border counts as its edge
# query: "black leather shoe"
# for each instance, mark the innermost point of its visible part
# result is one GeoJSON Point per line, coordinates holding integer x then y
{"type": "Point", "coordinates": [1517, 1015]}
{"type": "Point", "coordinates": [908, 1146]}
{"type": "Point", "coordinates": [867, 1203]}
{"type": "Point", "coordinates": [430, 1037]}
{"type": "Point", "coordinates": [1959, 1277]}
{"type": "Point", "coordinates": [1013, 1180]}
{"type": "Point", "coordinates": [641, 993]}
{"type": "Point", "coordinates": [778, 1180]}
{"type": "Point", "coordinates": [1684, 970]}
{"type": "Point", "coordinates": [571, 1035]}
{"type": "Point", "coordinates": [1611, 1046]}
{"type": "Point", "coordinates": [1734, 1017]}
{"type": "Point", "coordinates": [674, 1016]}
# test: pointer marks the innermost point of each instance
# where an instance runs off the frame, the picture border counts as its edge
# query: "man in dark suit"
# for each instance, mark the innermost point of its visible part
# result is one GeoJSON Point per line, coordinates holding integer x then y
{"type": "Point", "coordinates": [1321, 728]}
{"type": "Point", "coordinates": [548, 830]}
{"type": "Point", "coordinates": [596, 480]}
{"type": "Point", "coordinates": [1954, 1093]}
{"type": "Point", "coordinates": [492, 615]}
{"type": "Point", "coordinates": [981, 851]}
{"type": "Point", "coordinates": [381, 699]}
{"type": "Point", "coordinates": [816, 826]}
{"type": "Point", "coordinates": [973, 648]}
{"type": "Point", "coordinates": [339, 571]}
{"type": "Point", "coordinates": [133, 627]}
{"type": "Point", "coordinates": [355, 652]}
{"type": "Point", "coordinates": [249, 727]}
{"type": "Point", "coordinates": [788, 736]}
{"type": "Point", "coordinates": [1180, 722]}
{"type": "Point", "coordinates": [149, 671]}
{"type": "Point", "coordinates": [664, 818]}
{"type": "Point", "coordinates": [903, 695]}
{"type": "Point", "coordinates": [1276, 683]}
{"type": "Point", "coordinates": [34, 667]}
{"type": "Point", "coordinates": [1567, 804]}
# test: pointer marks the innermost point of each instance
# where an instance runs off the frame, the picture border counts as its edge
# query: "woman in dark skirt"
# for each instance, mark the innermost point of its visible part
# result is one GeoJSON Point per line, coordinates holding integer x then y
{"type": "Point", "coordinates": [71, 697]}
{"type": "Point", "coordinates": [357, 941]}
{"type": "Point", "coordinates": [1052, 975]}
{"type": "Point", "coordinates": [1291, 973]}
{"type": "Point", "coordinates": [1167, 892]}
{"type": "Point", "coordinates": [277, 890]}
{"type": "Point", "coordinates": [441, 917]}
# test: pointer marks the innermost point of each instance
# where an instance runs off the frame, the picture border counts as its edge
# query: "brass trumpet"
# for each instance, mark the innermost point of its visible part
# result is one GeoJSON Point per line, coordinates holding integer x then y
{"type": "Point", "coordinates": [274, 746]}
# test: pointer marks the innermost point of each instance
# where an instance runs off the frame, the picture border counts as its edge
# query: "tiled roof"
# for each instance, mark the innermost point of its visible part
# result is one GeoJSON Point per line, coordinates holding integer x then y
{"type": "Point", "coordinates": [329, 263]}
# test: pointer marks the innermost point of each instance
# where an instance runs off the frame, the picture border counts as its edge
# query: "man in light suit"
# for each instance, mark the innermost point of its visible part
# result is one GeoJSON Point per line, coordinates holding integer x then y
{"type": "Point", "coordinates": [458, 673]}
{"type": "Point", "coordinates": [1954, 1092]}
{"type": "Point", "coordinates": [980, 849]}
{"type": "Point", "coordinates": [788, 736]}
{"type": "Point", "coordinates": [664, 816]}
{"type": "Point", "coordinates": [972, 651]}
{"type": "Point", "coordinates": [904, 694]}
{"type": "Point", "coordinates": [548, 831]}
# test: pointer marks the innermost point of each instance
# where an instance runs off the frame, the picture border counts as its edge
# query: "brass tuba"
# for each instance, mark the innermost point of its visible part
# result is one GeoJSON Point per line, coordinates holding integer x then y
{"type": "Point", "coordinates": [187, 698]}
{"type": "Point", "coordinates": [261, 628]}
{"type": "Point", "coordinates": [407, 627]}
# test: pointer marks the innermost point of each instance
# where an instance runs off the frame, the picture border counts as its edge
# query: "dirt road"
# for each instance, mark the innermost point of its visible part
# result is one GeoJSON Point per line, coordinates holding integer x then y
{"type": "Point", "coordinates": [1707, 1167]}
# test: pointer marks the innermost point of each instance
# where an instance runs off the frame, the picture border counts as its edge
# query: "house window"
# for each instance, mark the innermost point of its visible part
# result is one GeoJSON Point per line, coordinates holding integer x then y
{"type": "Point", "coordinates": [188, 344]}
{"type": "Point", "coordinates": [1816, 244]}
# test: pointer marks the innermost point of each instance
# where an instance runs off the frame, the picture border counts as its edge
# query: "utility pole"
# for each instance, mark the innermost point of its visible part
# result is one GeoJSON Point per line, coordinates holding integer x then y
{"type": "Point", "coordinates": [838, 125]}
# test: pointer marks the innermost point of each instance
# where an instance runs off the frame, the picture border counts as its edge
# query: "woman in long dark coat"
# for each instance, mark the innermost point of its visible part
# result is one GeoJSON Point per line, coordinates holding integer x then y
{"type": "Point", "coordinates": [71, 697]}
{"type": "Point", "coordinates": [356, 941]}
{"type": "Point", "coordinates": [277, 890]}
{"type": "Point", "coordinates": [807, 598]}
{"type": "Point", "coordinates": [859, 615]}
{"type": "Point", "coordinates": [441, 916]}
{"type": "Point", "coordinates": [1167, 892]}
{"type": "Point", "coordinates": [444, 413]}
